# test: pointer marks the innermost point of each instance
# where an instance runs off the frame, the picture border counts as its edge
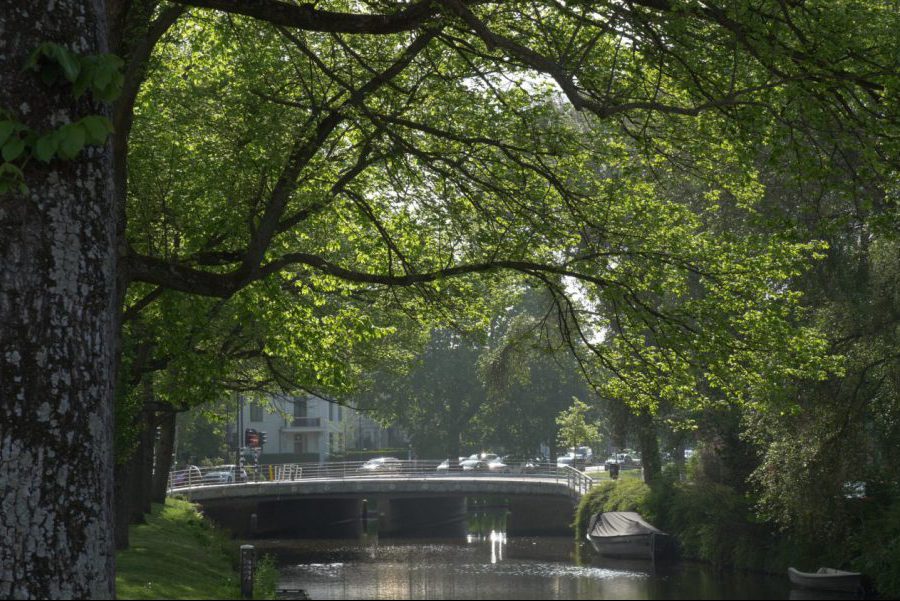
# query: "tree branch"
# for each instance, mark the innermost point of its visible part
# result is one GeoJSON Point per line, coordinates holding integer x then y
{"type": "Point", "coordinates": [308, 17]}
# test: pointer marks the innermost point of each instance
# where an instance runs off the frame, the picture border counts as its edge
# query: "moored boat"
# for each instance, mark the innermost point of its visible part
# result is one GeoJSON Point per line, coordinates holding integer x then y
{"type": "Point", "coordinates": [625, 534]}
{"type": "Point", "coordinates": [827, 579]}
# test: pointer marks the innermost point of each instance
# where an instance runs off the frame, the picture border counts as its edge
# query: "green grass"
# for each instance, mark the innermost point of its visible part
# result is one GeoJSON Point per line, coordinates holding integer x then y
{"type": "Point", "coordinates": [178, 554]}
{"type": "Point", "coordinates": [623, 475]}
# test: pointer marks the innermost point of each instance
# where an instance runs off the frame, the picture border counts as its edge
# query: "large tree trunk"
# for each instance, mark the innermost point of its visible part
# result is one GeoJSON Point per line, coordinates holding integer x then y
{"type": "Point", "coordinates": [136, 492]}
{"type": "Point", "coordinates": [122, 510]}
{"type": "Point", "coordinates": [58, 323]}
{"type": "Point", "coordinates": [147, 441]}
{"type": "Point", "coordinates": [649, 447]}
{"type": "Point", "coordinates": [165, 447]}
{"type": "Point", "coordinates": [679, 459]}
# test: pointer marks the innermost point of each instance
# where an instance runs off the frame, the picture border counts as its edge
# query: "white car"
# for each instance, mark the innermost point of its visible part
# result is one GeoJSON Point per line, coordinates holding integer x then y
{"type": "Point", "coordinates": [382, 464]}
{"type": "Point", "coordinates": [565, 460]}
{"type": "Point", "coordinates": [474, 465]}
{"type": "Point", "coordinates": [224, 475]}
{"type": "Point", "coordinates": [497, 465]}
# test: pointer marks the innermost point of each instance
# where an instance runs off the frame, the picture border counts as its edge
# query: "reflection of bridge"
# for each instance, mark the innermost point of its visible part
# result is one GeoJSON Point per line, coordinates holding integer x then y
{"type": "Point", "coordinates": [411, 498]}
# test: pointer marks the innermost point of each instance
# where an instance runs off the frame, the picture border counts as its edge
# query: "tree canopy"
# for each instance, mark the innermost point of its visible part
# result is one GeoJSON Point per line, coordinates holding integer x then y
{"type": "Point", "coordinates": [309, 152]}
{"type": "Point", "coordinates": [298, 186]}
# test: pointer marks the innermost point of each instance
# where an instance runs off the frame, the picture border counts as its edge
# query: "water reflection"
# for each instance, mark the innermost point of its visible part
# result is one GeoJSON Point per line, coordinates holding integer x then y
{"type": "Point", "coordinates": [482, 568]}
{"type": "Point", "coordinates": [487, 564]}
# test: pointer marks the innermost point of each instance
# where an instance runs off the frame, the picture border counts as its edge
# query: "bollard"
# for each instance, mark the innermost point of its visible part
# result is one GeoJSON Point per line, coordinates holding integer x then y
{"type": "Point", "coordinates": [248, 567]}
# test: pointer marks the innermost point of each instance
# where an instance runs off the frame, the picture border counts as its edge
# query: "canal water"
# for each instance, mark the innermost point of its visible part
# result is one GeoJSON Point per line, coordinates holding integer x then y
{"type": "Point", "coordinates": [494, 567]}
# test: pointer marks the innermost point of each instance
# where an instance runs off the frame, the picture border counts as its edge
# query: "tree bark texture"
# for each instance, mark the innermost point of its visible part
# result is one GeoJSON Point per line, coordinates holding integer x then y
{"type": "Point", "coordinates": [122, 498]}
{"type": "Point", "coordinates": [57, 324]}
{"type": "Point", "coordinates": [136, 478]}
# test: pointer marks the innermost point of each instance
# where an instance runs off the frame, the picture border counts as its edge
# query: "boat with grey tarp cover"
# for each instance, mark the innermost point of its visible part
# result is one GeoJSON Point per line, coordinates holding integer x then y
{"type": "Point", "coordinates": [827, 579]}
{"type": "Point", "coordinates": [625, 534]}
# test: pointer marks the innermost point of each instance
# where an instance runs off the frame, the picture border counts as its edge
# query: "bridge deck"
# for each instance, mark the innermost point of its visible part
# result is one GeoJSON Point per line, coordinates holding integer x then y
{"type": "Point", "coordinates": [384, 484]}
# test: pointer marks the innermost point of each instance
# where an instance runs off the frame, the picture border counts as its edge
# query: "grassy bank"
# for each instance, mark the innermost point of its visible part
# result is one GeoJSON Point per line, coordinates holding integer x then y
{"type": "Point", "coordinates": [179, 554]}
{"type": "Point", "coordinates": [711, 522]}
{"type": "Point", "coordinates": [715, 524]}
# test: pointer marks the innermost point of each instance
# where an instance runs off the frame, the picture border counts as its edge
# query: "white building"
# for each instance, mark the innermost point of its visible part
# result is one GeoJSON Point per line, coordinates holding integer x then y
{"type": "Point", "coordinates": [310, 428]}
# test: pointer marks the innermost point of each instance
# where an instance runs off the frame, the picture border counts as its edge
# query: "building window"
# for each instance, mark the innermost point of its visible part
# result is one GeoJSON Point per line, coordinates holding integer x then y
{"type": "Point", "coordinates": [256, 413]}
{"type": "Point", "coordinates": [300, 408]}
{"type": "Point", "coordinates": [331, 412]}
{"type": "Point", "coordinates": [340, 413]}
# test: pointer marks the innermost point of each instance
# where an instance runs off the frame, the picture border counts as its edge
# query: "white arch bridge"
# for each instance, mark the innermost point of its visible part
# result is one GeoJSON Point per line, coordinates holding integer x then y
{"type": "Point", "coordinates": [406, 497]}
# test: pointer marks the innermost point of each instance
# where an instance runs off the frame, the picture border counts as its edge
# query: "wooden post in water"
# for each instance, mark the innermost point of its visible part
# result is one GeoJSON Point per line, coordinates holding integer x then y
{"type": "Point", "coordinates": [248, 568]}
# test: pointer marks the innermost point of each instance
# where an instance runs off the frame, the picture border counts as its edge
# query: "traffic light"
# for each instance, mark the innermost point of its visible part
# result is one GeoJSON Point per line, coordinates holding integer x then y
{"type": "Point", "coordinates": [263, 438]}
{"type": "Point", "coordinates": [251, 438]}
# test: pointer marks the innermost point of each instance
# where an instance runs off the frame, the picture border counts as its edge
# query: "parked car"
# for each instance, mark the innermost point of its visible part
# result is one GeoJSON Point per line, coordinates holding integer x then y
{"type": "Point", "coordinates": [382, 464]}
{"type": "Point", "coordinates": [474, 465]}
{"type": "Point", "coordinates": [579, 458]}
{"type": "Point", "coordinates": [565, 460]}
{"type": "Point", "coordinates": [498, 465]}
{"type": "Point", "coordinates": [623, 460]}
{"type": "Point", "coordinates": [584, 454]}
{"type": "Point", "coordinates": [488, 457]}
{"type": "Point", "coordinates": [224, 474]}
{"type": "Point", "coordinates": [445, 464]}
{"type": "Point", "coordinates": [532, 464]}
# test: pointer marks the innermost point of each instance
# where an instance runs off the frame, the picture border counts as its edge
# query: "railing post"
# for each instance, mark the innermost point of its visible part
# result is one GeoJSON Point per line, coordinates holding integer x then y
{"type": "Point", "coordinates": [248, 568]}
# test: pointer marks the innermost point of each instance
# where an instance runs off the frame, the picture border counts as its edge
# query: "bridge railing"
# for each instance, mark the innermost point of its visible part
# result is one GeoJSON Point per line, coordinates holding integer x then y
{"type": "Point", "coordinates": [578, 482]}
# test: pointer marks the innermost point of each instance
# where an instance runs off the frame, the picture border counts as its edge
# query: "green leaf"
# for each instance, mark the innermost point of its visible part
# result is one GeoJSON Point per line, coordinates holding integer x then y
{"type": "Point", "coordinates": [97, 128]}
{"type": "Point", "coordinates": [31, 63]}
{"type": "Point", "coordinates": [103, 75]}
{"type": "Point", "coordinates": [71, 140]}
{"type": "Point", "coordinates": [13, 148]}
{"type": "Point", "coordinates": [80, 86]}
{"type": "Point", "coordinates": [51, 60]}
{"type": "Point", "coordinates": [46, 147]}
{"type": "Point", "coordinates": [8, 170]}
{"type": "Point", "coordinates": [67, 60]}
{"type": "Point", "coordinates": [6, 128]}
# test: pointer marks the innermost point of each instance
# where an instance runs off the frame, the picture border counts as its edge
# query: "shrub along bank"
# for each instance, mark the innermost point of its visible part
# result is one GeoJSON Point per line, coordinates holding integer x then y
{"type": "Point", "coordinates": [713, 523]}
{"type": "Point", "coordinates": [179, 554]}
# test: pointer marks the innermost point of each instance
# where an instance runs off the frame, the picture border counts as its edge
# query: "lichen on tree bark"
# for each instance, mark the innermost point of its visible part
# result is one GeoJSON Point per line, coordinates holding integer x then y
{"type": "Point", "coordinates": [57, 314]}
